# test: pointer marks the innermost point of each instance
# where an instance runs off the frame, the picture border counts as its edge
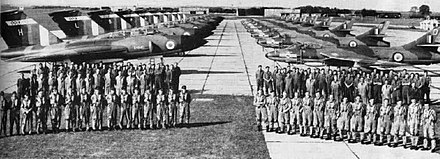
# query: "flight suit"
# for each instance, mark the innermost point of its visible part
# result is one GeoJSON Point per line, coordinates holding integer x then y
{"type": "Point", "coordinates": [52, 83]}
{"type": "Point", "coordinates": [295, 113]}
{"type": "Point", "coordinates": [112, 100]}
{"type": "Point", "coordinates": [89, 84]}
{"type": "Point", "coordinates": [406, 84]}
{"type": "Point", "coordinates": [399, 123]}
{"type": "Point", "coordinates": [135, 113]}
{"type": "Point", "coordinates": [429, 118]}
{"type": "Point", "coordinates": [335, 90]}
{"type": "Point", "coordinates": [414, 119]}
{"type": "Point", "coordinates": [310, 86]}
{"type": "Point", "coordinates": [424, 88]}
{"type": "Point", "coordinates": [384, 122]}
{"type": "Point", "coordinates": [344, 114]}
{"type": "Point", "coordinates": [107, 83]}
{"type": "Point", "coordinates": [307, 115]}
{"type": "Point", "coordinates": [161, 111]}
{"type": "Point", "coordinates": [55, 103]}
{"type": "Point", "coordinates": [41, 106]}
{"type": "Point", "coordinates": [172, 108]}
{"type": "Point", "coordinates": [61, 85]}
{"type": "Point", "coordinates": [95, 110]}
{"type": "Point", "coordinates": [348, 89]}
{"type": "Point", "coordinates": [3, 114]}
{"type": "Point", "coordinates": [386, 91]}
{"type": "Point", "coordinates": [260, 110]}
{"type": "Point", "coordinates": [288, 81]}
{"type": "Point", "coordinates": [330, 117]}
{"type": "Point", "coordinates": [272, 109]}
{"type": "Point", "coordinates": [322, 84]}
{"type": "Point", "coordinates": [26, 115]}
{"type": "Point", "coordinates": [119, 84]}
{"type": "Point", "coordinates": [67, 109]}
{"type": "Point", "coordinates": [125, 110]}
{"type": "Point", "coordinates": [148, 109]}
{"type": "Point", "coordinates": [318, 116]}
{"type": "Point", "coordinates": [362, 90]}
{"type": "Point", "coordinates": [370, 118]}
{"type": "Point", "coordinates": [130, 84]}
{"type": "Point", "coordinates": [284, 107]}
{"type": "Point", "coordinates": [356, 122]}
{"type": "Point", "coordinates": [184, 108]}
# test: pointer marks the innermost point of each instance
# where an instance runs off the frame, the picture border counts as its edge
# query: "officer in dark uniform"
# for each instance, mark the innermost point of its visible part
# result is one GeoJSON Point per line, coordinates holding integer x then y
{"type": "Point", "coordinates": [259, 77]}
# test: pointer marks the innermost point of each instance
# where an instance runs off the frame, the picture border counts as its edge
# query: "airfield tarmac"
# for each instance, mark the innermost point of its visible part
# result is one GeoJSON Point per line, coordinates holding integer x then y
{"type": "Point", "coordinates": [227, 64]}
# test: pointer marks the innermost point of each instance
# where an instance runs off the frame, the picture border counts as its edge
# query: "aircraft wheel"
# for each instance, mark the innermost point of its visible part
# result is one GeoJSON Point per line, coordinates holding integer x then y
{"type": "Point", "coordinates": [326, 35]}
{"type": "Point", "coordinates": [398, 57]}
{"type": "Point", "coordinates": [352, 44]}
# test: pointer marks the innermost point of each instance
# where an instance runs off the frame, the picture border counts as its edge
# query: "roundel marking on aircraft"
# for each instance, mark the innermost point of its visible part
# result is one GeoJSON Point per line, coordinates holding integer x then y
{"type": "Point", "coordinates": [170, 45]}
{"type": "Point", "coordinates": [438, 49]}
{"type": "Point", "coordinates": [326, 35]}
{"type": "Point", "coordinates": [435, 32]}
{"type": "Point", "coordinates": [398, 57]}
{"type": "Point", "coordinates": [352, 43]}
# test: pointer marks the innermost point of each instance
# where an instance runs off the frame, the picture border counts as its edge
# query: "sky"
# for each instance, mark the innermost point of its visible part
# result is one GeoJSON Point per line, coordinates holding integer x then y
{"type": "Point", "coordinates": [391, 5]}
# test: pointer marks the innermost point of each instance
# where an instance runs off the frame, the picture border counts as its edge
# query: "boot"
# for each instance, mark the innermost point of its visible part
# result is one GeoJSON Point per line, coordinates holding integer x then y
{"type": "Point", "coordinates": [415, 142]}
{"type": "Point", "coordinates": [301, 133]}
{"type": "Point", "coordinates": [433, 145]}
{"type": "Point", "coordinates": [380, 142]}
{"type": "Point", "coordinates": [405, 140]}
{"type": "Point", "coordinates": [362, 138]}
{"type": "Point", "coordinates": [425, 143]}
{"type": "Point", "coordinates": [395, 141]}
{"type": "Point", "coordinates": [288, 130]}
{"type": "Point", "coordinates": [311, 131]}
{"type": "Point", "coordinates": [321, 133]}
{"type": "Point", "coordinates": [389, 140]}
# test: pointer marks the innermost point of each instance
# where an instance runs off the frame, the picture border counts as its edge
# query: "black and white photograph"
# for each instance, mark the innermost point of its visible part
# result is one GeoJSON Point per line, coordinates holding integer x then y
{"type": "Point", "coordinates": [245, 79]}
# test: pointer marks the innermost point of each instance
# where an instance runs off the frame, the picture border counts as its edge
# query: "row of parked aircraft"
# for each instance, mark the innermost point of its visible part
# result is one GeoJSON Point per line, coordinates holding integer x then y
{"type": "Point", "coordinates": [338, 46]}
{"type": "Point", "coordinates": [103, 35]}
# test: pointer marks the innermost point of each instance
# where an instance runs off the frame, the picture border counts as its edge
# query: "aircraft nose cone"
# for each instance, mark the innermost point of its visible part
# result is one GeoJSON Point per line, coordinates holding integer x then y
{"type": "Point", "coordinates": [272, 54]}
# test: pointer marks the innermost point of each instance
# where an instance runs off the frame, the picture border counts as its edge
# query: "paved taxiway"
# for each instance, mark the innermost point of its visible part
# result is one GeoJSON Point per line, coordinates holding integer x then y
{"type": "Point", "coordinates": [227, 64]}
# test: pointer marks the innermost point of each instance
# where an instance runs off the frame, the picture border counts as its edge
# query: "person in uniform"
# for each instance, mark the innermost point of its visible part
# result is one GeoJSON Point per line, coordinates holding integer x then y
{"type": "Point", "coordinates": [288, 83]}
{"type": "Point", "coordinates": [158, 77]}
{"type": "Point", "coordinates": [161, 109]}
{"type": "Point", "coordinates": [429, 119]}
{"type": "Point", "coordinates": [344, 113]}
{"type": "Point", "coordinates": [69, 99]}
{"type": "Point", "coordinates": [335, 88]}
{"type": "Point", "coordinates": [259, 77]}
{"type": "Point", "coordinates": [322, 83]}
{"type": "Point", "coordinates": [41, 106]}
{"type": "Point", "coordinates": [377, 88]}
{"type": "Point", "coordinates": [399, 123]}
{"type": "Point", "coordinates": [136, 105]}
{"type": "Point", "coordinates": [284, 107]}
{"type": "Point", "coordinates": [386, 90]}
{"type": "Point", "coordinates": [272, 102]}
{"type": "Point", "coordinates": [148, 109]}
{"type": "Point", "coordinates": [95, 109]}
{"type": "Point", "coordinates": [112, 100]}
{"type": "Point", "coordinates": [331, 106]}
{"type": "Point", "coordinates": [424, 86]}
{"type": "Point", "coordinates": [279, 82]}
{"type": "Point", "coordinates": [396, 90]}
{"type": "Point", "coordinates": [124, 109]}
{"type": "Point", "coordinates": [26, 114]}
{"type": "Point", "coordinates": [310, 84]}
{"type": "Point", "coordinates": [55, 103]}
{"type": "Point", "coordinates": [3, 112]}
{"type": "Point", "coordinates": [406, 84]}
{"type": "Point", "coordinates": [295, 113]}
{"type": "Point", "coordinates": [356, 121]}
{"type": "Point", "coordinates": [414, 117]}
{"type": "Point", "coordinates": [370, 122]}
{"type": "Point", "coordinates": [120, 79]}
{"type": "Point", "coordinates": [14, 117]}
{"type": "Point", "coordinates": [172, 107]}
{"type": "Point", "coordinates": [384, 122]}
{"type": "Point", "coordinates": [185, 100]}
{"type": "Point", "coordinates": [260, 110]}
{"type": "Point", "coordinates": [267, 77]}
{"type": "Point", "coordinates": [85, 107]}
{"type": "Point", "coordinates": [362, 89]}
{"type": "Point", "coordinates": [307, 115]}
{"type": "Point", "coordinates": [318, 113]}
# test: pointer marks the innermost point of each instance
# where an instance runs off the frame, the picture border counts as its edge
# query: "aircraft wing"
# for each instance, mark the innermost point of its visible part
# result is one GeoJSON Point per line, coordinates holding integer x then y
{"type": "Point", "coordinates": [429, 45]}
{"type": "Point", "coordinates": [348, 57]}
{"type": "Point", "coordinates": [71, 53]}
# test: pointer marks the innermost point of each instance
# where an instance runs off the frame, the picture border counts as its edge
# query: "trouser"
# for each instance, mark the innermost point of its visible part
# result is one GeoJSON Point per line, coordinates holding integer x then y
{"type": "Point", "coordinates": [148, 114]}
{"type": "Point", "coordinates": [377, 93]}
{"type": "Point", "coordinates": [279, 88]}
{"type": "Point", "coordinates": [161, 115]}
{"type": "Point", "coordinates": [272, 116]}
{"type": "Point", "coordinates": [294, 118]}
{"type": "Point", "coordinates": [261, 118]}
{"type": "Point", "coordinates": [396, 96]}
{"type": "Point", "coordinates": [110, 113]}
{"type": "Point", "coordinates": [425, 91]}
{"type": "Point", "coordinates": [26, 121]}
{"type": "Point", "coordinates": [406, 99]}
{"type": "Point", "coordinates": [283, 120]}
{"type": "Point", "coordinates": [330, 124]}
{"type": "Point", "coordinates": [14, 120]}
{"type": "Point", "coordinates": [124, 114]}
{"type": "Point", "coordinates": [79, 115]}
{"type": "Point", "coordinates": [172, 108]}
{"type": "Point", "coordinates": [54, 117]}
{"type": "Point", "coordinates": [259, 84]}
{"type": "Point", "coordinates": [289, 90]}
{"type": "Point", "coordinates": [94, 115]}
{"type": "Point", "coordinates": [41, 119]}
{"type": "Point", "coordinates": [185, 112]}
{"type": "Point", "coordinates": [67, 115]}
{"type": "Point", "coordinates": [86, 114]}
{"type": "Point", "coordinates": [3, 117]}
{"type": "Point", "coordinates": [268, 87]}
{"type": "Point", "coordinates": [135, 115]}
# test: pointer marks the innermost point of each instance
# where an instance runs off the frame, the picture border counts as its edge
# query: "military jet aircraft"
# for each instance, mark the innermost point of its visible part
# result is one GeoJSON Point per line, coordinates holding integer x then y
{"type": "Point", "coordinates": [30, 42]}
{"type": "Point", "coordinates": [424, 50]}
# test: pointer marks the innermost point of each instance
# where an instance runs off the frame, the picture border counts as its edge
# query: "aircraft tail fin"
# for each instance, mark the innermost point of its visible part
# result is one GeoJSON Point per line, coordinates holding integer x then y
{"type": "Point", "coordinates": [109, 20]}
{"type": "Point", "coordinates": [344, 29]}
{"type": "Point", "coordinates": [74, 24]}
{"type": "Point", "coordinates": [133, 19]}
{"type": "Point", "coordinates": [430, 39]}
{"type": "Point", "coordinates": [17, 30]}
{"type": "Point", "coordinates": [374, 36]}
